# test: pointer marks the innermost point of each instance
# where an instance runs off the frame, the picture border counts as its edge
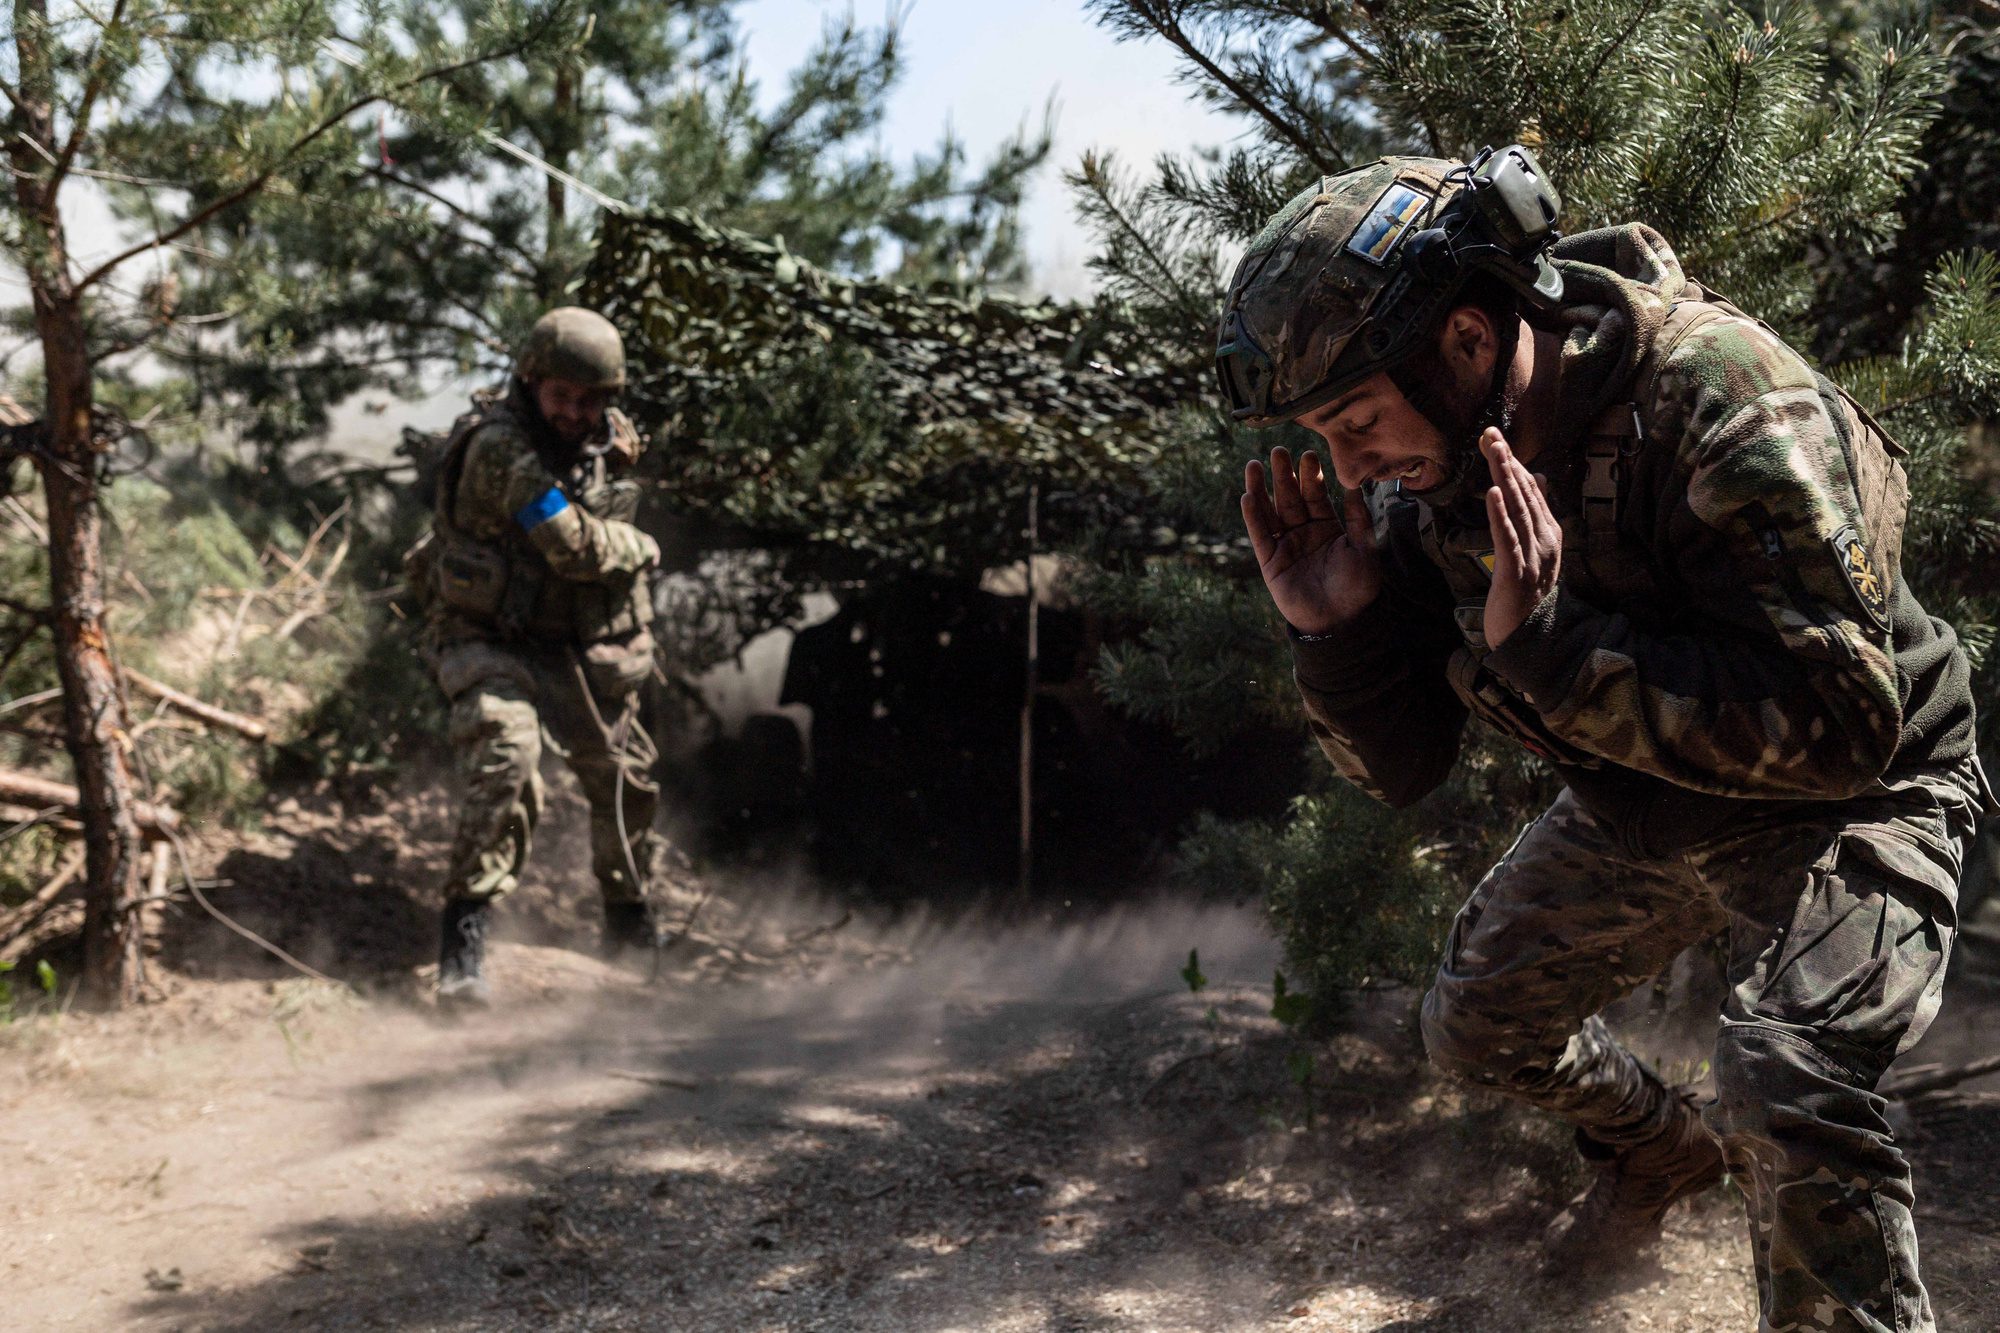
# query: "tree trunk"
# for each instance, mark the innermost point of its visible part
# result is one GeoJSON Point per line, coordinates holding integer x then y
{"type": "Point", "coordinates": [94, 710]}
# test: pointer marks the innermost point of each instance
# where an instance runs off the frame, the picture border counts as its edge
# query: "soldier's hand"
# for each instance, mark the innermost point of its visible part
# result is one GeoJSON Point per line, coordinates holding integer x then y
{"type": "Point", "coordinates": [1527, 540]}
{"type": "Point", "coordinates": [1320, 566]}
{"type": "Point", "coordinates": [626, 443]}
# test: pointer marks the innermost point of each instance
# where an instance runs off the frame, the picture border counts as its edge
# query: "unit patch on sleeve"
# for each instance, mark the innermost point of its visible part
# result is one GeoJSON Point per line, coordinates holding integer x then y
{"type": "Point", "coordinates": [1858, 567]}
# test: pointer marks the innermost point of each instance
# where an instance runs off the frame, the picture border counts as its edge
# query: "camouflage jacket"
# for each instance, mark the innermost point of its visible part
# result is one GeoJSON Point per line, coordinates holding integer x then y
{"type": "Point", "coordinates": [534, 541]}
{"type": "Point", "coordinates": [1736, 632]}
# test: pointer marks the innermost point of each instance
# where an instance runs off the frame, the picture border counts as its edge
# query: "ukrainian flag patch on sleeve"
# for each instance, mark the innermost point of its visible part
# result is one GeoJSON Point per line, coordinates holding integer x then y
{"type": "Point", "coordinates": [541, 509]}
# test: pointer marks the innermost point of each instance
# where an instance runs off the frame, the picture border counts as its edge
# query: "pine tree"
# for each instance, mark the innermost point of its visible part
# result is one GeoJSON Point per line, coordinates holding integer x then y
{"type": "Point", "coordinates": [426, 253]}
{"type": "Point", "coordinates": [1759, 142]}
{"type": "Point", "coordinates": [285, 89]}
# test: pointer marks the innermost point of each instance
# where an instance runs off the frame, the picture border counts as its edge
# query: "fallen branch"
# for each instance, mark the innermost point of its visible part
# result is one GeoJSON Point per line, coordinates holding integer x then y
{"type": "Point", "coordinates": [807, 936]}
{"type": "Point", "coordinates": [20, 818]}
{"type": "Point", "coordinates": [26, 914]}
{"type": "Point", "coordinates": [657, 1080]}
{"type": "Point", "coordinates": [227, 648]}
{"type": "Point", "coordinates": [31, 700]}
{"type": "Point", "coordinates": [41, 793]}
{"type": "Point", "coordinates": [156, 885]}
{"type": "Point", "coordinates": [193, 707]}
{"type": "Point", "coordinates": [1934, 1078]}
{"type": "Point", "coordinates": [19, 513]}
{"type": "Point", "coordinates": [62, 919]}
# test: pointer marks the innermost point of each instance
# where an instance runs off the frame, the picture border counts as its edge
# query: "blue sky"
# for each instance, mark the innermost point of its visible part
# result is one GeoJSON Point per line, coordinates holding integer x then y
{"type": "Point", "coordinates": [983, 67]}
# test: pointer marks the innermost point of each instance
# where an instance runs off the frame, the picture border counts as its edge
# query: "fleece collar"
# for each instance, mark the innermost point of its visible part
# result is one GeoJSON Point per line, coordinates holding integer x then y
{"type": "Point", "coordinates": [1618, 284]}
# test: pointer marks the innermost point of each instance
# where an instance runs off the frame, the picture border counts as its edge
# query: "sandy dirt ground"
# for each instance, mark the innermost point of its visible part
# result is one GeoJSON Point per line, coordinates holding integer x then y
{"type": "Point", "coordinates": [981, 1125]}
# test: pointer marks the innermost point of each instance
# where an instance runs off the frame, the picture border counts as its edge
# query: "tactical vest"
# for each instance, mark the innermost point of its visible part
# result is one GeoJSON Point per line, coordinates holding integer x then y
{"type": "Point", "coordinates": [1606, 564]}
{"type": "Point", "coordinates": [507, 588]}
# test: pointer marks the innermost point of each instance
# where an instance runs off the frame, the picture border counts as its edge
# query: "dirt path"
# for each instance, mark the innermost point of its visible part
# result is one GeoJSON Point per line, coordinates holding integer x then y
{"type": "Point", "coordinates": [1028, 1128]}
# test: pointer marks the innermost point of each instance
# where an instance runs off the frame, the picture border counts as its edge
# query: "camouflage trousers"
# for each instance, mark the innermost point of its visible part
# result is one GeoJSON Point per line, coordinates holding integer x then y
{"type": "Point", "coordinates": [502, 699]}
{"type": "Point", "coordinates": [1839, 917]}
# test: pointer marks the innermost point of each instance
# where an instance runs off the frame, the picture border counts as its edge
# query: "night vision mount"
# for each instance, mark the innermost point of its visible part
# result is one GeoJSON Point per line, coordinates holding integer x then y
{"type": "Point", "coordinates": [1502, 221]}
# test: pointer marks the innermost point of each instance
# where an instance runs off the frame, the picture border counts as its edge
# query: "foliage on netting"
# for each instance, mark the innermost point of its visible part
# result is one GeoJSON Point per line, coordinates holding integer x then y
{"type": "Point", "coordinates": [709, 615]}
{"type": "Point", "coordinates": [1758, 139]}
{"type": "Point", "coordinates": [902, 422]}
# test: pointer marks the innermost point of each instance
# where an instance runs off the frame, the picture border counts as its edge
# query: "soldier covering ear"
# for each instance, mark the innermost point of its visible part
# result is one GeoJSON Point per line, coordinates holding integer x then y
{"type": "Point", "coordinates": [1693, 607]}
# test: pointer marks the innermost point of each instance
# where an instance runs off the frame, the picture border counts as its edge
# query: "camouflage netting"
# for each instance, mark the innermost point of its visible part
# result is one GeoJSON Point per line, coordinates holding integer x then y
{"type": "Point", "coordinates": [860, 428]}
{"type": "Point", "coordinates": [707, 311]}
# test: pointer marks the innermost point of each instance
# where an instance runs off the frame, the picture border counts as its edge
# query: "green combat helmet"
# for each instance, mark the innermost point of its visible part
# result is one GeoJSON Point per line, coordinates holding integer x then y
{"type": "Point", "coordinates": [573, 344]}
{"type": "Point", "coordinates": [1351, 274]}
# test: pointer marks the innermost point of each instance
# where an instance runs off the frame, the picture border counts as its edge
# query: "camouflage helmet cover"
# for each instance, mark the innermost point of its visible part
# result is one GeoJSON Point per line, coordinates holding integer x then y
{"type": "Point", "coordinates": [575, 345]}
{"type": "Point", "coordinates": [1329, 292]}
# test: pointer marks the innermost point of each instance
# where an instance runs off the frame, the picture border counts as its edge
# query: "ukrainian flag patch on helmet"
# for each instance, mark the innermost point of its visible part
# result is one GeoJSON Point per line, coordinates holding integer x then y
{"type": "Point", "coordinates": [1375, 239]}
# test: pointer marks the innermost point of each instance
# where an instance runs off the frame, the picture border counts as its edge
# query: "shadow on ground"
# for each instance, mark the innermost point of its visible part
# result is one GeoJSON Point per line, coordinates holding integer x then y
{"type": "Point", "coordinates": [886, 1153]}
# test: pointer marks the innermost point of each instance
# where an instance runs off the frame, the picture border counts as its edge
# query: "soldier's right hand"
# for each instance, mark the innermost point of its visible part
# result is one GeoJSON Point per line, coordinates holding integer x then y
{"type": "Point", "coordinates": [1320, 566]}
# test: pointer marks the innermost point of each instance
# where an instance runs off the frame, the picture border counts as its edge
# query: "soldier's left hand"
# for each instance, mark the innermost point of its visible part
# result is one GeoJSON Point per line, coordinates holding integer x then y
{"type": "Point", "coordinates": [1527, 540]}
{"type": "Point", "coordinates": [626, 442]}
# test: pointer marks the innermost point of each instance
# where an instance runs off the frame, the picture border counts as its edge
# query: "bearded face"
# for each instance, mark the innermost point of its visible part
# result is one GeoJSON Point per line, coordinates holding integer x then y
{"type": "Point", "coordinates": [1418, 426]}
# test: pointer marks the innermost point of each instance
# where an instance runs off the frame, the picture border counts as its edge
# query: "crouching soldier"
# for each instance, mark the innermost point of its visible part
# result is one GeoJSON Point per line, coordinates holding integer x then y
{"type": "Point", "coordinates": [538, 606]}
{"type": "Point", "coordinates": [1593, 504]}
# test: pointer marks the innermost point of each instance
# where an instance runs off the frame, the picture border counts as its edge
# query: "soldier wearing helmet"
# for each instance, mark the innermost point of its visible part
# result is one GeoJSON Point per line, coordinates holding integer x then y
{"type": "Point", "coordinates": [1598, 508]}
{"type": "Point", "coordinates": [537, 610]}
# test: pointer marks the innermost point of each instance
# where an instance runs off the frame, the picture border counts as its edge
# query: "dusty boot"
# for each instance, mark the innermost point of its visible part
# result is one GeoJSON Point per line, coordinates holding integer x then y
{"type": "Point", "coordinates": [629, 925]}
{"type": "Point", "coordinates": [1606, 1228]}
{"type": "Point", "coordinates": [461, 951]}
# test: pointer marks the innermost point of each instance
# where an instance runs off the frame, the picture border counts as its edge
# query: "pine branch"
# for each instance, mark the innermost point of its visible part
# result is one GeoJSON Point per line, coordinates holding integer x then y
{"type": "Point", "coordinates": [1639, 16]}
{"type": "Point", "coordinates": [493, 245]}
{"type": "Point", "coordinates": [326, 125]}
{"type": "Point", "coordinates": [93, 87]}
{"type": "Point", "coordinates": [1094, 175]}
{"type": "Point", "coordinates": [1161, 15]}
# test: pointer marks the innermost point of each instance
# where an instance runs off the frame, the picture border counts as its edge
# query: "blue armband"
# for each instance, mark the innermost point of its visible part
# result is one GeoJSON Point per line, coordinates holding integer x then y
{"type": "Point", "coordinates": [541, 509]}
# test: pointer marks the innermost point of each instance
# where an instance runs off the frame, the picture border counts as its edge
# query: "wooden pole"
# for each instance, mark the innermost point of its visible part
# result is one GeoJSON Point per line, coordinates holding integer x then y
{"type": "Point", "coordinates": [1027, 862]}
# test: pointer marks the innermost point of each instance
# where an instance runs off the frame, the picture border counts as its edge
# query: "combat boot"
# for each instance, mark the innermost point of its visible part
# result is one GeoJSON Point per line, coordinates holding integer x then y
{"type": "Point", "coordinates": [461, 954]}
{"type": "Point", "coordinates": [1608, 1226]}
{"type": "Point", "coordinates": [629, 925]}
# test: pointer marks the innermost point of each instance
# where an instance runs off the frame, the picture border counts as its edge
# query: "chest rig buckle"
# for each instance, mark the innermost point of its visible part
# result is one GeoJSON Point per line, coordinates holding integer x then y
{"type": "Point", "coordinates": [1615, 437]}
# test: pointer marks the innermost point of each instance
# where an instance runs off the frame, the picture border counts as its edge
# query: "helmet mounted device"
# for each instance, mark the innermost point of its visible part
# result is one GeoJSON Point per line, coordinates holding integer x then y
{"type": "Point", "coordinates": [1428, 229]}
